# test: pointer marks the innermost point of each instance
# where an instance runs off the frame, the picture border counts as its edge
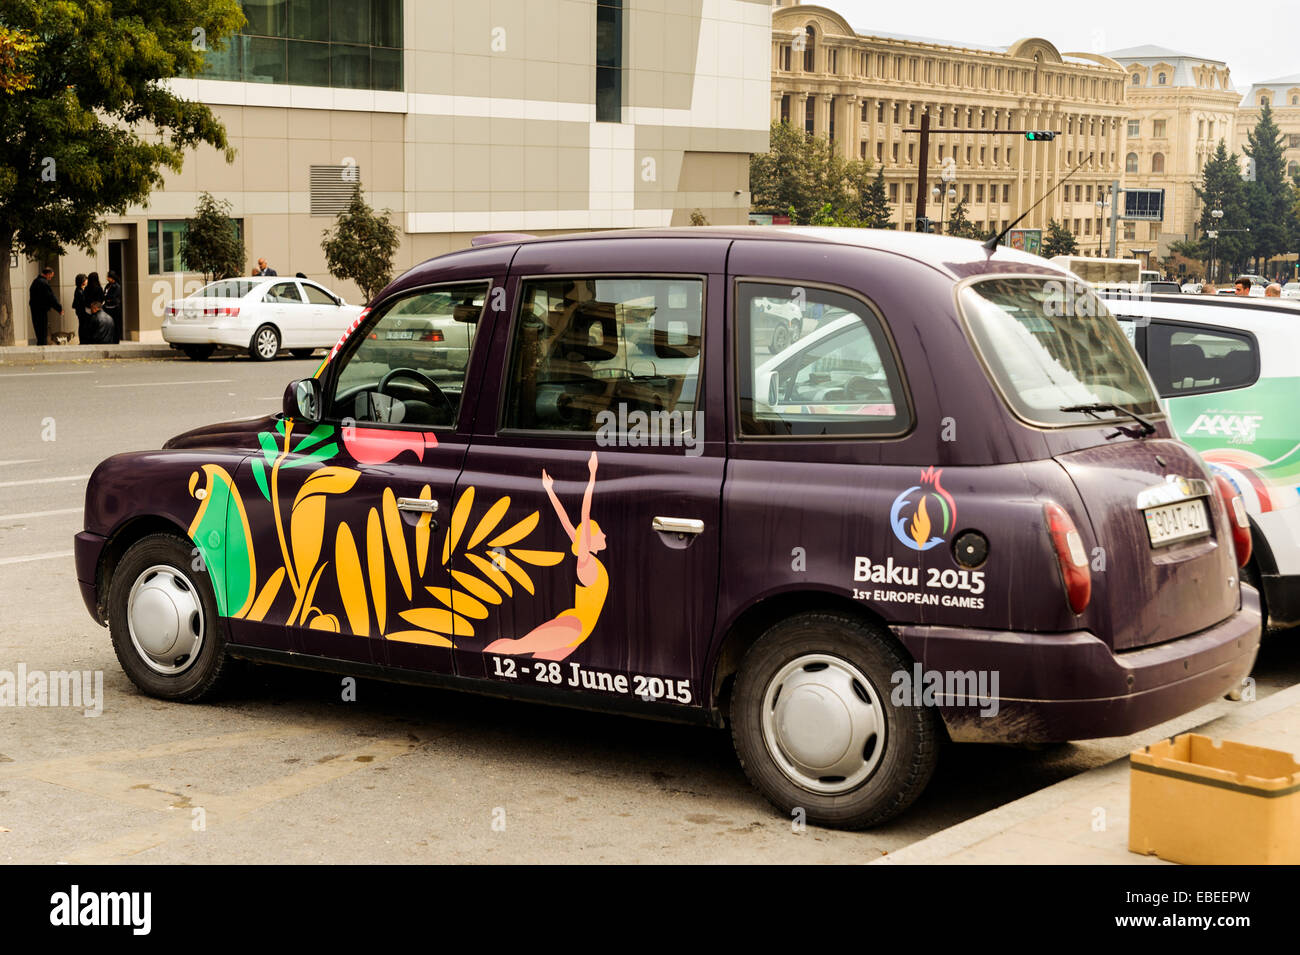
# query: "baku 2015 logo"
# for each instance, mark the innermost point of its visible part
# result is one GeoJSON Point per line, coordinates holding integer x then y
{"type": "Point", "coordinates": [933, 514]}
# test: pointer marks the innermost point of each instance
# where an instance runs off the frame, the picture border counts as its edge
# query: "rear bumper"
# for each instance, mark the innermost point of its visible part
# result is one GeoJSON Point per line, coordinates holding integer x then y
{"type": "Point", "coordinates": [1064, 686]}
{"type": "Point", "coordinates": [229, 336]}
{"type": "Point", "coordinates": [86, 548]}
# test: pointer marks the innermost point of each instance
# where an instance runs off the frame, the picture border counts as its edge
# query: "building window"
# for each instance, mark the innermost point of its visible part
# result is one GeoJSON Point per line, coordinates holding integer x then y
{"type": "Point", "coordinates": [862, 150]}
{"type": "Point", "coordinates": [968, 155]}
{"type": "Point", "coordinates": [1293, 141]}
{"type": "Point", "coordinates": [1131, 163]}
{"type": "Point", "coordinates": [1158, 162]}
{"type": "Point", "coordinates": [1137, 79]}
{"type": "Point", "coordinates": [609, 61]}
{"type": "Point", "coordinates": [981, 155]}
{"type": "Point", "coordinates": [1006, 194]}
{"type": "Point", "coordinates": [1087, 226]}
{"type": "Point", "coordinates": [893, 192]}
{"type": "Point", "coordinates": [785, 109]}
{"type": "Point", "coordinates": [1134, 128]}
{"type": "Point", "coordinates": [911, 114]}
{"type": "Point", "coordinates": [1293, 169]}
{"type": "Point", "coordinates": [1263, 101]}
{"type": "Point", "coordinates": [810, 36]}
{"type": "Point", "coordinates": [941, 148]}
{"type": "Point", "coordinates": [997, 150]}
{"type": "Point", "coordinates": [880, 152]}
{"type": "Point", "coordinates": [1130, 231]}
{"type": "Point", "coordinates": [1088, 197]}
{"type": "Point", "coordinates": [166, 237]}
{"type": "Point", "coordinates": [1200, 129]}
{"type": "Point", "coordinates": [979, 193]}
{"type": "Point", "coordinates": [1209, 129]}
{"type": "Point", "coordinates": [1158, 128]}
{"type": "Point", "coordinates": [784, 57]}
{"type": "Point", "coordinates": [809, 114]}
{"type": "Point", "coordinates": [880, 112]}
{"type": "Point", "coordinates": [1160, 79]}
{"type": "Point", "coordinates": [965, 192]}
{"type": "Point", "coordinates": [315, 43]}
{"type": "Point", "coordinates": [908, 194]}
{"type": "Point", "coordinates": [895, 153]}
{"type": "Point", "coordinates": [832, 61]}
{"type": "Point", "coordinates": [897, 107]}
{"type": "Point", "coordinates": [911, 152]}
{"type": "Point", "coordinates": [864, 111]}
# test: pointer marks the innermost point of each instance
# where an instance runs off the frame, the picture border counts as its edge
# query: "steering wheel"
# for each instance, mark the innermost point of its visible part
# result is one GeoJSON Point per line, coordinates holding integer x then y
{"type": "Point", "coordinates": [430, 385]}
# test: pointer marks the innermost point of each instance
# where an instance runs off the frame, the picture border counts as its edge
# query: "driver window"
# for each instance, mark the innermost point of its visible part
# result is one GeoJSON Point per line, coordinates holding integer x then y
{"type": "Point", "coordinates": [814, 362]}
{"type": "Point", "coordinates": [409, 366]}
{"type": "Point", "coordinates": [282, 292]}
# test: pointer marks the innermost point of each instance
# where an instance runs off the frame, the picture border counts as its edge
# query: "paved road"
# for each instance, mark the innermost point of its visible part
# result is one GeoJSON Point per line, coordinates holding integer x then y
{"type": "Point", "coordinates": [282, 770]}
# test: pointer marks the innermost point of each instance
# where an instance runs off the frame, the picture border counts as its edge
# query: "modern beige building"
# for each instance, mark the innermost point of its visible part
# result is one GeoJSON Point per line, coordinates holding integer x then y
{"type": "Point", "coordinates": [462, 117]}
{"type": "Point", "coordinates": [864, 89]}
{"type": "Point", "coordinates": [1179, 107]}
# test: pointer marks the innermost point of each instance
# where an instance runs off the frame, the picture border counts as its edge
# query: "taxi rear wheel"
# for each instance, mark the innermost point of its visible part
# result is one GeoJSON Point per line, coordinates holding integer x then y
{"type": "Point", "coordinates": [815, 729]}
{"type": "Point", "coordinates": [265, 344]}
{"type": "Point", "coordinates": [162, 615]}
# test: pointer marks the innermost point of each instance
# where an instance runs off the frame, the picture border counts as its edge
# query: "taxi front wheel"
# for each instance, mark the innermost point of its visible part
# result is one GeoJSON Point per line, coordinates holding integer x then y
{"type": "Point", "coordinates": [162, 615]}
{"type": "Point", "coordinates": [815, 729]}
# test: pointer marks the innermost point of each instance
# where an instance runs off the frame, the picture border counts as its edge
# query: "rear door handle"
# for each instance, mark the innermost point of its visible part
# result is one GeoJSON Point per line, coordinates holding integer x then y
{"type": "Point", "coordinates": [419, 504]}
{"type": "Point", "coordinates": [678, 525]}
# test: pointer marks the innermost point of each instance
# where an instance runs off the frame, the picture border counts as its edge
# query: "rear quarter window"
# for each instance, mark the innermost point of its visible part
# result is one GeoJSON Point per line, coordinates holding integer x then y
{"type": "Point", "coordinates": [1199, 359]}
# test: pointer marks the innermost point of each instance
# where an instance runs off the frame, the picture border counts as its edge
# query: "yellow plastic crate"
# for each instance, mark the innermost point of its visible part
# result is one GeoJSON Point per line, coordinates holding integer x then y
{"type": "Point", "coordinates": [1206, 802]}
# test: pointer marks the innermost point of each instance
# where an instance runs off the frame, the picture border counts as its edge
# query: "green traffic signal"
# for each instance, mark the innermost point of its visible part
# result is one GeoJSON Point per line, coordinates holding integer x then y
{"type": "Point", "coordinates": [1040, 135]}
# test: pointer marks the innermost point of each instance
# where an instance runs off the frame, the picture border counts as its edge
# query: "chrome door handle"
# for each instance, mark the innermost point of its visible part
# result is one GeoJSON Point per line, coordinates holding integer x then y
{"type": "Point", "coordinates": [678, 525]}
{"type": "Point", "coordinates": [419, 504]}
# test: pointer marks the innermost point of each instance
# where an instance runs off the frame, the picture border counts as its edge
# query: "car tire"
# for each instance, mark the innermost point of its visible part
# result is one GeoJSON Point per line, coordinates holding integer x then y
{"type": "Point", "coordinates": [198, 352]}
{"type": "Point", "coordinates": [265, 343]}
{"type": "Point", "coordinates": [780, 340]}
{"type": "Point", "coordinates": [162, 616]}
{"type": "Point", "coordinates": [814, 727]}
{"type": "Point", "coordinates": [302, 352]}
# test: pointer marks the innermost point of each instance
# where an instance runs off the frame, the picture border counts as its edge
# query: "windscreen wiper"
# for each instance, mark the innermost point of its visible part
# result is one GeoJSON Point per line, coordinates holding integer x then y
{"type": "Point", "coordinates": [1092, 409]}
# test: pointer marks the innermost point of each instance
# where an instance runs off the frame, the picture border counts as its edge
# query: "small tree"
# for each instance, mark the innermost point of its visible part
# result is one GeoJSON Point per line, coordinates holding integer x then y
{"type": "Point", "coordinates": [873, 206]}
{"type": "Point", "coordinates": [212, 244]}
{"type": "Point", "coordinates": [959, 225]}
{"type": "Point", "coordinates": [698, 218]}
{"type": "Point", "coordinates": [1059, 241]}
{"type": "Point", "coordinates": [361, 246]}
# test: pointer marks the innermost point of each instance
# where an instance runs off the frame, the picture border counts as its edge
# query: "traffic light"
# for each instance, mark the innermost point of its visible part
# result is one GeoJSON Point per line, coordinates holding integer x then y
{"type": "Point", "coordinates": [1040, 135]}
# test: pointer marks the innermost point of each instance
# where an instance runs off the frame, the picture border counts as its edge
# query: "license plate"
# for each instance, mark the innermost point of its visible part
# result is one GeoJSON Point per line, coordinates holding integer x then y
{"type": "Point", "coordinates": [1176, 522]}
{"type": "Point", "coordinates": [401, 335]}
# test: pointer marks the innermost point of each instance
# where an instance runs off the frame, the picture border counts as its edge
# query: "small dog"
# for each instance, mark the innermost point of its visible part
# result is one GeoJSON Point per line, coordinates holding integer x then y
{"type": "Point", "coordinates": [62, 338]}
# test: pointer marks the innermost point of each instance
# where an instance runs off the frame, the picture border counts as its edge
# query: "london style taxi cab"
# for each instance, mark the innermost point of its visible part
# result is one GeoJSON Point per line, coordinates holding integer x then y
{"type": "Point", "coordinates": [950, 509]}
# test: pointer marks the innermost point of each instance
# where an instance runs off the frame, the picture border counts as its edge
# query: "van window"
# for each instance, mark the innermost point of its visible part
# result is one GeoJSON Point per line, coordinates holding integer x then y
{"type": "Point", "coordinates": [1192, 359]}
{"type": "Point", "coordinates": [814, 362]}
{"type": "Point", "coordinates": [609, 355]}
{"type": "Point", "coordinates": [1051, 343]}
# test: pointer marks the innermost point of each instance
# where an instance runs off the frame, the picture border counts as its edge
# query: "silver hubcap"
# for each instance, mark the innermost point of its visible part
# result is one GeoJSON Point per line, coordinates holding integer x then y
{"type": "Point", "coordinates": [267, 346]}
{"type": "Point", "coordinates": [823, 723]}
{"type": "Point", "coordinates": [165, 618]}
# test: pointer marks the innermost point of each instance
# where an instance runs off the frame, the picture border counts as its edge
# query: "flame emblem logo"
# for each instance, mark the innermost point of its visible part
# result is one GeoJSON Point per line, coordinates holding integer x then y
{"type": "Point", "coordinates": [925, 514]}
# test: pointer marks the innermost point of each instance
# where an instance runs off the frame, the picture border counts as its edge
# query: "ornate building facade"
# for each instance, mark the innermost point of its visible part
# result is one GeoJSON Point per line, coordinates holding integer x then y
{"type": "Point", "coordinates": [863, 91]}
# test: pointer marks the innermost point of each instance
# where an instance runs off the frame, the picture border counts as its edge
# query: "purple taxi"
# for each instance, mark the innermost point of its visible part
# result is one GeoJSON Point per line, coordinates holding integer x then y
{"type": "Point", "coordinates": [950, 508]}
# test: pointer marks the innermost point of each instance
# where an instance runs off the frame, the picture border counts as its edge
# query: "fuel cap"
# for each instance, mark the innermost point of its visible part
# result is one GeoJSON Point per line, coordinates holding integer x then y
{"type": "Point", "coordinates": [971, 548]}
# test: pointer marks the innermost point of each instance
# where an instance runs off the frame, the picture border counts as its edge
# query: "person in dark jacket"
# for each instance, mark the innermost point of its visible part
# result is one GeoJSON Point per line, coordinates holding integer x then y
{"type": "Point", "coordinates": [113, 304]}
{"type": "Point", "coordinates": [94, 291]}
{"type": "Point", "coordinates": [264, 269]}
{"type": "Point", "coordinates": [79, 307]}
{"type": "Point", "coordinates": [99, 327]}
{"type": "Point", "coordinates": [41, 298]}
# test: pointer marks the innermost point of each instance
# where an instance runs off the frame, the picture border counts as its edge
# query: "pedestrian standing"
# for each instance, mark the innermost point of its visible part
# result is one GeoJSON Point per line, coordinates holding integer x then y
{"type": "Point", "coordinates": [113, 304]}
{"type": "Point", "coordinates": [264, 269]}
{"type": "Point", "coordinates": [94, 291]}
{"type": "Point", "coordinates": [41, 299]}
{"type": "Point", "coordinates": [79, 307]}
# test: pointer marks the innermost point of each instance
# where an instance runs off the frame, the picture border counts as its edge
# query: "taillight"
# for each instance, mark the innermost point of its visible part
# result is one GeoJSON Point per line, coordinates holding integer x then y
{"type": "Point", "coordinates": [432, 336]}
{"type": "Point", "coordinates": [222, 310]}
{"type": "Point", "coordinates": [1237, 518]}
{"type": "Point", "coordinates": [171, 309]}
{"type": "Point", "coordinates": [1070, 556]}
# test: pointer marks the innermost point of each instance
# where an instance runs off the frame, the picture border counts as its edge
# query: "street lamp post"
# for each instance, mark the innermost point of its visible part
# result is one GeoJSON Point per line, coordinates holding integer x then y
{"type": "Point", "coordinates": [1217, 215]}
{"type": "Point", "coordinates": [1102, 202]}
{"type": "Point", "coordinates": [942, 196]}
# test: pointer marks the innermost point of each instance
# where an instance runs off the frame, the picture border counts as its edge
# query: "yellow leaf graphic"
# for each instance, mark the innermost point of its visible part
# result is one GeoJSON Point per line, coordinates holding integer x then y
{"type": "Point", "coordinates": [324, 621]}
{"type": "Point", "coordinates": [327, 480]}
{"type": "Point", "coordinates": [306, 532]}
{"type": "Point", "coordinates": [375, 568]}
{"type": "Point", "coordinates": [539, 558]}
{"type": "Point", "coordinates": [492, 574]}
{"type": "Point", "coordinates": [311, 588]}
{"type": "Point", "coordinates": [459, 517]}
{"type": "Point", "coordinates": [489, 522]}
{"type": "Point", "coordinates": [460, 603]}
{"type": "Point", "coordinates": [515, 534]}
{"type": "Point", "coordinates": [397, 541]}
{"type": "Point", "coordinates": [267, 596]}
{"type": "Point", "coordinates": [478, 588]}
{"type": "Point", "coordinates": [515, 571]}
{"type": "Point", "coordinates": [439, 620]}
{"type": "Point", "coordinates": [352, 586]}
{"type": "Point", "coordinates": [422, 536]}
{"type": "Point", "coordinates": [421, 636]}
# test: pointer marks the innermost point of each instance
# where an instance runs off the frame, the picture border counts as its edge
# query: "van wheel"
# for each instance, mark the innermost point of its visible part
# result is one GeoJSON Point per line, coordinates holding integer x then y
{"type": "Point", "coordinates": [780, 340]}
{"type": "Point", "coordinates": [814, 727]}
{"type": "Point", "coordinates": [198, 352]}
{"type": "Point", "coordinates": [162, 615]}
{"type": "Point", "coordinates": [265, 344]}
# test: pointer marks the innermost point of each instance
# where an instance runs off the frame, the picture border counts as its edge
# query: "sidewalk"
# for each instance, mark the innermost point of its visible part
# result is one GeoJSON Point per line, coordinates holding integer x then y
{"type": "Point", "coordinates": [1084, 820]}
{"type": "Point", "coordinates": [38, 354]}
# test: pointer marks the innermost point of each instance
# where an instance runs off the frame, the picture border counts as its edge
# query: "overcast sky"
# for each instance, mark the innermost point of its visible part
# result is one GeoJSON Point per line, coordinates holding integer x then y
{"type": "Point", "coordinates": [1258, 40]}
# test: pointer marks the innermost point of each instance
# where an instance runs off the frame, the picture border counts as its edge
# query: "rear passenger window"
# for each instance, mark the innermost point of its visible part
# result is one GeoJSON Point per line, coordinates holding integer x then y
{"type": "Point", "coordinates": [814, 362]}
{"type": "Point", "coordinates": [1192, 359]}
{"type": "Point", "coordinates": [283, 292]}
{"type": "Point", "coordinates": [615, 355]}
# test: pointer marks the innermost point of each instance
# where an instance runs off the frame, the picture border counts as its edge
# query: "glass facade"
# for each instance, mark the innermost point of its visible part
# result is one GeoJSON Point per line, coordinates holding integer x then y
{"type": "Point", "coordinates": [609, 61]}
{"type": "Point", "coordinates": [351, 44]}
{"type": "Point", "coordinates": [166, 237]}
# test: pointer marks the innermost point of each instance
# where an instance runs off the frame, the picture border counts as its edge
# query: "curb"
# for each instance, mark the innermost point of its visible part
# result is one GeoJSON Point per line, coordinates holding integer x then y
{"type": "Point", "coordinates": [938, 847]}
{"type": "Point", "coordinates": [41, 354]}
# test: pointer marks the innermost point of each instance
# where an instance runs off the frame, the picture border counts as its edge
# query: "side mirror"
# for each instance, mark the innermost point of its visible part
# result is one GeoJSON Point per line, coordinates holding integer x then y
{"type": "Point", "coordinates": [302, 399]}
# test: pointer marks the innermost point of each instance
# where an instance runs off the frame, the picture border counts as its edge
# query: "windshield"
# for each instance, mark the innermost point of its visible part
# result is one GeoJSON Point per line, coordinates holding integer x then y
{"type": "Point", "coordinates": [226, 288]}
{"type": "Point", "coordinates": [1050, 344]}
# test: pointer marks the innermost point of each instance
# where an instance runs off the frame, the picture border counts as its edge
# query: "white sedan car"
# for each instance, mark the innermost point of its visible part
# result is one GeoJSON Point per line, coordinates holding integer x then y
{"type": "Point", "coordinates": [257, 315]}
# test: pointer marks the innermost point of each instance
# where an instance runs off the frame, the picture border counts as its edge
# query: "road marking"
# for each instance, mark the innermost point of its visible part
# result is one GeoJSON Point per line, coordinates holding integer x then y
{"type": "Point", "coordinates": [22, 461]}
{"type": "Point", "coordinates": [47, 480]}
{"type": "Point", "coordinates": [33, 374]}
{"type": "Point", "coordinates": [194, 381]}
{"type": "Point", "coordinates": [32, 557]}
{"type": "Point", "coordinates": [31, 514]}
